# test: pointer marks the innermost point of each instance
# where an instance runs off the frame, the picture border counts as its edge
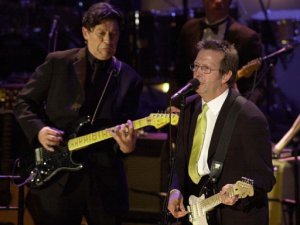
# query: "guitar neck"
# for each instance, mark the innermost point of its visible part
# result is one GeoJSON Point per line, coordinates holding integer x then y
{"type": "Point", "coordinates": [92, 138]}
{"type": "Point", "coordinates": [212, 201]}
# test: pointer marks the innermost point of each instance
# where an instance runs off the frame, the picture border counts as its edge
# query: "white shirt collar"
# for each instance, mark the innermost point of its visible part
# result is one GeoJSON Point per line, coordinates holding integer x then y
{"type": "Point", "coordinates": [218, 21]}
{"type": "Point", "coordinates": [216, 104]}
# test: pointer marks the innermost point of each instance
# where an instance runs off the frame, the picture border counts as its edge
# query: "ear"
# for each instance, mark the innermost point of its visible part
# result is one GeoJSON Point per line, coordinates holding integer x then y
{"type": "Point", "coordinates": [85, 33]}
{"type": "Point", "coordinates": [226, 76]}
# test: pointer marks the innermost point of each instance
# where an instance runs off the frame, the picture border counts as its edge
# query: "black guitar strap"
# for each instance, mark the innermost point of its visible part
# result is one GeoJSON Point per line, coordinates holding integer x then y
{"type": "Point", "coordinates": [217, 164]}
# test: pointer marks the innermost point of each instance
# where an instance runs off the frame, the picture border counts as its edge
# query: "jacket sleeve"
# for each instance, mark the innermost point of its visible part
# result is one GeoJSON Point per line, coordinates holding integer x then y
{"type": "Point", "coordinates": [29, 109]}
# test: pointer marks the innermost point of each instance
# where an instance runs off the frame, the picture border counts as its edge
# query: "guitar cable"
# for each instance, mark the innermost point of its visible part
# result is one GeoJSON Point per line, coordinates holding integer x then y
{"type": "Point", "coordinates": [15, 177]}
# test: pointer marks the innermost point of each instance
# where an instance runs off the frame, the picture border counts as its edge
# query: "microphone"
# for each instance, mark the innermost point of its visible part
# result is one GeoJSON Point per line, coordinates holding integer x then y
{"type": "Point", "coordinates": [190, 86]}
{"type": "Point", "coordinates": [287, 49]}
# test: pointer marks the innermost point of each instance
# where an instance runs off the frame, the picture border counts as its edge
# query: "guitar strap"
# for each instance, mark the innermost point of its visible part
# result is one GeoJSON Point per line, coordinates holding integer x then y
{"type": "Point", "coordinates": [217, 164]}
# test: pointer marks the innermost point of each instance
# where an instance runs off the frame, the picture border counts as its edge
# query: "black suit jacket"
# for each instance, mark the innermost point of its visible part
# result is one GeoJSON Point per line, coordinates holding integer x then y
{"type": "Point", "coordinates": [54, 96]}
{"type": "Point", "coordinates": [246, 41]}
{"type": "Point", "coordinates": [249, 155]}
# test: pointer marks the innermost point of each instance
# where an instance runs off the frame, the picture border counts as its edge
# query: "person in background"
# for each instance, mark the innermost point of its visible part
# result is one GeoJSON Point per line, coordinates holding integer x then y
{"type": "Point", "coordinates": [249, 152]}
{"type": "Point", "coordinates": [217, 25]}
{"type": "Point", "coordinates": [71, 85]}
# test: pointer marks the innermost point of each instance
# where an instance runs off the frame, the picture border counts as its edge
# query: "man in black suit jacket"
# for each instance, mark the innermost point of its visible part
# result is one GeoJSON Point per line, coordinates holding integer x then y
{"type": "Point", "coordinates": [71, 85]}
{"type": "Point", "coordinates": [249, 151]}
{"type": "Point", "coordinates": [217, 25]}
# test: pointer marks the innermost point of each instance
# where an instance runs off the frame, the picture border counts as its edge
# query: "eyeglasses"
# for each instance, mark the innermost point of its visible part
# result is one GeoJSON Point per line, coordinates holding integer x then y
{"type": "Point", "coordinates": [203, 68]}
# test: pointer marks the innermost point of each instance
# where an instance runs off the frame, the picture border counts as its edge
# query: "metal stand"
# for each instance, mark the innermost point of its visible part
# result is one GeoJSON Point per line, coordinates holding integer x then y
{"type": "Point", "coordinates": [173, 154]}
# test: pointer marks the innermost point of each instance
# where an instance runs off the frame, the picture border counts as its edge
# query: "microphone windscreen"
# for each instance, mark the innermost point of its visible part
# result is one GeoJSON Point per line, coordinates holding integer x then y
{"type": "Point", "coordinates": [195, 83]}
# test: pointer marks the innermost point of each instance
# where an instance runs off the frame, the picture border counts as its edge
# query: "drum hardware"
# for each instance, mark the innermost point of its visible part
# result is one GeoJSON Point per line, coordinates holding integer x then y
{"type": "Point", "coordinates": [295, 151]}
{"type": "Point", "coordinates": [279, 147]}
{"type": "Point", "coordinates": [277, 27]}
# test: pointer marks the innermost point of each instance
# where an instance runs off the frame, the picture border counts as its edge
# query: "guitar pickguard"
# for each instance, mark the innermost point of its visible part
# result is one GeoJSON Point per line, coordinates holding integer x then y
{"type": "Point", "coordinates": [48, 164]}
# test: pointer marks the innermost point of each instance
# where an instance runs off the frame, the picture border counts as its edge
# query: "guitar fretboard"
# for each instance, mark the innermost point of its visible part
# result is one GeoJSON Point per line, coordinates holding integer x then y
{"type": "Point", "coordinates": [92, 138]}
{"type": "Point", "coordinates": [210, 202]}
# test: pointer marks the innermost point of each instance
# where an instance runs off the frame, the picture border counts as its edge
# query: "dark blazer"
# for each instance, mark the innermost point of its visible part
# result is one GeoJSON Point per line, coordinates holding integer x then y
{"type": "Point", "coordinates": [54, 96]}
{"type": "Point", "coordinates": [246, 41]}
{"type": "Point", "coordinates": [249, 155]}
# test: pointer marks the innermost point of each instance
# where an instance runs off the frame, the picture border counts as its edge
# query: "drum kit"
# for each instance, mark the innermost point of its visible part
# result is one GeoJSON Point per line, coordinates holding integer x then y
{"type": "Point", "coordinates": [284, 25]}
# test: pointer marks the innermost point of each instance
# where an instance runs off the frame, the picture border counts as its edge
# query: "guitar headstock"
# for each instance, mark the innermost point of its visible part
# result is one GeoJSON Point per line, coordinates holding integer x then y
{"type": "Point", "coordinates": [159, 120]}
{"type": "Point", "coordinates": [243, 188]}
{"type": "Point", "coordinates": [249, 68]}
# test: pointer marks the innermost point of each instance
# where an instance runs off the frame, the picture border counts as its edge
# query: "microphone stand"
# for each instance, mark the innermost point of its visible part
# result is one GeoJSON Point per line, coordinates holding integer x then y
{"type": "Point", "coordinates": [172, 155]}
{"type": "Point", "coordinates": [287, 49]}
{"type": "Point", "coordinates": [53, 34]}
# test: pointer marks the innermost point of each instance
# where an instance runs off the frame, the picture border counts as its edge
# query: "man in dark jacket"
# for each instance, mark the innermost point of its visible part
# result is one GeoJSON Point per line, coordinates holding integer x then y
{"type": "Point", "coordinates": [248, 154]}
{"type": "Point", "coordinates": [71, 85]}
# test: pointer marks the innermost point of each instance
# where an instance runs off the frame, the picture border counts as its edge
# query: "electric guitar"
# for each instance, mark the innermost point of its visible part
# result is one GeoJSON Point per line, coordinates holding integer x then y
{"type": "Point", "coordinates": [47, 164]}
{"type": "Point", "coordinates": [249, 68]}
{"type": "Point", "coordinates": [199, 206]}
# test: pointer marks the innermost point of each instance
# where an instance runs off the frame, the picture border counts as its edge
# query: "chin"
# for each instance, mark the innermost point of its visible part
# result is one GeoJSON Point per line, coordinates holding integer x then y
{"type": "Point", "coordinates": [104, 56]}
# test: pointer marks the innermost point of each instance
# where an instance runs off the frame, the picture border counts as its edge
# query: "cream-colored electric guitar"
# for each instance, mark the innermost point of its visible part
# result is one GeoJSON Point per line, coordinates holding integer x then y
{"type": "Point", "coordinates": [199, 206]}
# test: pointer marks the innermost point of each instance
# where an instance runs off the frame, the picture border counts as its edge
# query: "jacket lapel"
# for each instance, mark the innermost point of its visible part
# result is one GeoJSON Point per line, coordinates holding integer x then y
{"type": "Point", "coordinates": [80, 66]}
{"type": "Point", "coordinates": [220, 124]}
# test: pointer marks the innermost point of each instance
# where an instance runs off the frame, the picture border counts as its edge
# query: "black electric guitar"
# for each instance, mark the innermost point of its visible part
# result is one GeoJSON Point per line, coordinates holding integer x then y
{"type": "Point", "coordinates": [47, 164]}
{"type": "Point", "coordinates": [199, 206]}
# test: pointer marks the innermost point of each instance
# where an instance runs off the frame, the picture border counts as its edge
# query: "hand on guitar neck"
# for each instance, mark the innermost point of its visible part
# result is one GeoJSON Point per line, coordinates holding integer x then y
{"type": "Point", "coordinates": [125, 136]}
{"type": "Point", "coordinates": [226, 197]}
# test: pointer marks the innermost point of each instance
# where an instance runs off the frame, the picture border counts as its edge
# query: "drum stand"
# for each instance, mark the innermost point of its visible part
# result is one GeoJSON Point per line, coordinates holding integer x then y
{"type": "Point", "coordinates": [296, 152]}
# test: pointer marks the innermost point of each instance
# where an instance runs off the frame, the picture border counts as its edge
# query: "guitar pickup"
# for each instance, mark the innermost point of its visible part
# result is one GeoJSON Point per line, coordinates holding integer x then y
{"type": "Point", "coordinates": [38, 155]}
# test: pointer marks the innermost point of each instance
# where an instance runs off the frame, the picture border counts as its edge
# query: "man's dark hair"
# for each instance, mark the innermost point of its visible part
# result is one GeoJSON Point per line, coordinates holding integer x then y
{"type": "Point", "coordinates": [230, 60]}
{"type": "Point", "coordinates": [99, 12]}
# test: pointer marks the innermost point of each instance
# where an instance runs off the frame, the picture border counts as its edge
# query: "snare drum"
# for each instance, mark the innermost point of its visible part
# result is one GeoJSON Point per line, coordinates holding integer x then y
{"type": "Point", "coordinates": [284, 24]}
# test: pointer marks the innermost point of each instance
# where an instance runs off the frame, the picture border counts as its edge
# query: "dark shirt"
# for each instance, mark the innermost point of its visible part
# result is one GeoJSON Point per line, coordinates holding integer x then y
{"type": "Point", "coordinates": [96, 79]}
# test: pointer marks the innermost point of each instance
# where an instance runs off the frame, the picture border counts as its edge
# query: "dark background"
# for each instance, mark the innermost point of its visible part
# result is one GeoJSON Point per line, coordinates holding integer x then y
{"type": "Point", "coordinates": [149, 46]}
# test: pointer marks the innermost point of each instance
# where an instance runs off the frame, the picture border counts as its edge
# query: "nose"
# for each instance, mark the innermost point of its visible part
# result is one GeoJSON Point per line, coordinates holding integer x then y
{"type": "Point", "coordinates": [197, 74]}
{"type": "Point", "coordinates": [106, 37]}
